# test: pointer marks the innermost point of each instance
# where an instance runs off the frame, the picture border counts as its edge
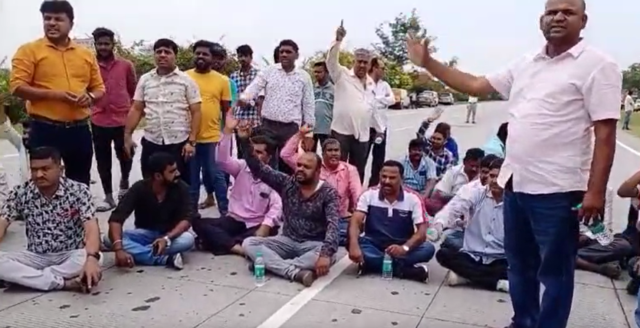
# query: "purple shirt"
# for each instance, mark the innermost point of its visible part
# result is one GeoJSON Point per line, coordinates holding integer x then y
{"type": "Point", "coordinates": [250, 200]}
{"type": "Point", "coordinates": [120, 82]}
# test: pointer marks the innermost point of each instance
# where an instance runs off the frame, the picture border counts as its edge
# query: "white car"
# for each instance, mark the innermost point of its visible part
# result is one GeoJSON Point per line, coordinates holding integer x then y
{"type": "Point", "coordinates": [636, 107]}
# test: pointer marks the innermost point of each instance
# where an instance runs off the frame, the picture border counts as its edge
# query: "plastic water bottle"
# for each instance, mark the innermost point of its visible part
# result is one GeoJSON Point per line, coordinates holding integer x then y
{"type": "Point", "coordinates": [259, 270]}
{"type": "Point", "coordinates": [378, 140]}
{"type": "Point", "coordinates": [600, 232]}
{"type": "Point", "coordinates": [432, 234]}
{"type": "Point", "coordinates": [387, 267]}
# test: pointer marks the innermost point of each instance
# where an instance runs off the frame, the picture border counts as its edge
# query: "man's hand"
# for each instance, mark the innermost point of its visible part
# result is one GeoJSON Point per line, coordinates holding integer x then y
{"type": "Point", "coordinates": [244, 129]}
{"type": "Point", "coordinates": [340, 33]}
{"type": "Point", "coordinates": [188, 151]}
{"type": "Point", "coordinates": [263, 231]}
{"type": "Point", "coordinates": [129, 146]}
{"type": "Point", "coordinates": [124, 259]}
{"type": "Point", "coordinates": [66, 96]}
{"type": "Point", "coordinates": [159, 246]}
{"type": "Point", "coordinates": [355, 254]}
{"type": "Point", "coordinates": [395, 251]}
{"type": "Point", "coordinates": [417, 49]}
{"type": "Point", "coordinates": [322, 266]}
{"type": "Point", "coordinates": [592, 207]}
{"type": "Point", "coordinates": [84, 100]}
{"type": "Point", "coordinates": [230, 123]}
{"type": "Point", "coordinates": [91, 273]}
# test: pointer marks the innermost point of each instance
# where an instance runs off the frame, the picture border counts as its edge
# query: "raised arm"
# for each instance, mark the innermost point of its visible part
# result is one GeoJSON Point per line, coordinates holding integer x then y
{"type": "Point", "coordinates": [289, 153]}
{"type": "Point", "coordinates": [224, 160]}
{"type": "Point", "coordinates": [274, 179]}
{"type": "Point", "coordinates": [333, 56]}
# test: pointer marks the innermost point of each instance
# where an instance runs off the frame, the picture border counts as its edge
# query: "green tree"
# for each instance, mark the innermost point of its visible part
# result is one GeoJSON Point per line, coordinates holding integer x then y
{"type": "Point", "coordinates": [631, 77]}
{"type": "Point", "coordinates": [10, 105]}
{"type": "Point", "coordinates": [393, 34]}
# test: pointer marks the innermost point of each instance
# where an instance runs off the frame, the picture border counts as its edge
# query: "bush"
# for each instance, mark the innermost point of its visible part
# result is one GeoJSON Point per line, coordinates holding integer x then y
{"type": "Point", "coordinates": [12, 106]}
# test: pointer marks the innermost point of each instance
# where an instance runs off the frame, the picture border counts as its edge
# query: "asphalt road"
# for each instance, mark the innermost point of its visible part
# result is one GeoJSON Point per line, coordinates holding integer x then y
{"type": "Point", "coordinates": [219, 292]}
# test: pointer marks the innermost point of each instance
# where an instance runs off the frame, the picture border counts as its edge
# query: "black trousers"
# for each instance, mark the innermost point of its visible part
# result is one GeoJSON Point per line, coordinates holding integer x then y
{"type": "Point", "coordinates": [353, 151]}
{"type": "Point", "coordinates": [219, 236]}
{"type": "Point", "coordinates": [378, 153]}
{"type": "Point", "coordinates": [280, 133]}
{"type": "Point", "coordinates": [71, 139]}
{"type": "Point", "coordinates": [318, 140]}
{"type": "Point", "coordinates": [104, 138]}
{"type": "Point", "coordinates": [149, 148]}
{"type": "Point", "coordinates": [482, 275]}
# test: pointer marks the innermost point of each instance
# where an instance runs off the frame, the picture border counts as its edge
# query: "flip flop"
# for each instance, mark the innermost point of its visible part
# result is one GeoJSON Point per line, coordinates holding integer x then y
{"type": "Point", "coordinates": [105, 207]}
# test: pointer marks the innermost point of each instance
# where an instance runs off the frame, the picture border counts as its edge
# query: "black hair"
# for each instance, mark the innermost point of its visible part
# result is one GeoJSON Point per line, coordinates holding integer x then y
{"type": "Point", "coordinates": [102, 32]}
{"type": "Point", "coordinates": [158, 162]}
{"type": "Point", "coordinates": [330, 141]}
{"type": "Point", "coordinates": [321, 64]}
{"type": "Point", "coordinates": [375, 63]}
{"type": "Point", "coordinates": [166, 43]}
{"type": "Point", "coordinates": [394, 163]}
{"type": "Point", "coordinates": [276, 55]}
{"type": "Point", "coordinates": [264, 140]}
{"type": "Point", "coordinates": [416, 143]}
{"type": "Point", "coordinates": [203, 44]}
{"type": "Point", "coordinates": [487, 160]}
{"type": "Point", "coordinates": [218, 50]}
{"type": "Point", "coordinates": [288, 43]}
{"type": "Point", "coordinates": [244, 50]}
{"type": "Point", "coordinates": [45, 152]}
{"type": "Point", "coordinates": [496, 164]}
{"type": "Point", "coordinates": [57, 7]}
{"type": "Point", "coordinates": [503, 132]}
{"type": "Point", "coordinates": [444, 129]}
{"type": "Point", "coordinates": [630, 92]}
{"type": "Point", "coordinates": [474, 154]}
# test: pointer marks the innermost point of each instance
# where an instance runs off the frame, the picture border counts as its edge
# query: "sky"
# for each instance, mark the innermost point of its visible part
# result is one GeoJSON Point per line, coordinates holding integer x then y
{"type": "Point", "coordinates": [484, 35]}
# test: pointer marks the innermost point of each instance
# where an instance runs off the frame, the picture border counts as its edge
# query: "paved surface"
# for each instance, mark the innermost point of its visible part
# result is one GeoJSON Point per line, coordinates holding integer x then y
{"type": "Point", "coordinates": [219, 292]}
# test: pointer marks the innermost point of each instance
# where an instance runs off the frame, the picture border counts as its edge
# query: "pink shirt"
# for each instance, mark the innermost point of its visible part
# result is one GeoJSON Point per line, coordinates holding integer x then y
{"type": "Point", "coordinates": [344, 178]}
{"type": "Point", "coordinates": [120, 82]}
{"type": "Point", "coordinates": [250, 200]}
{"type": "Point", "coordinates": [553, 103]}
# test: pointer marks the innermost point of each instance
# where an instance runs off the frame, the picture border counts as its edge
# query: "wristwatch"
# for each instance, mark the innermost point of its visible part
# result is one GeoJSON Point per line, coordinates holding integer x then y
{"type": "Point", "coordinates": [168, 240]}
{"type": "Point", "coordinates": [96, 256]}
{"type": "Point", "coordinates": [192, 143]}
{"type": "Point", "coordinates": [405, 247]}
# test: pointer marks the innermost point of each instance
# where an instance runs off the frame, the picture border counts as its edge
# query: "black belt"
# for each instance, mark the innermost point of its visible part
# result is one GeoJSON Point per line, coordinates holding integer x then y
{"type": "Point", "coordinates": [69, 124]}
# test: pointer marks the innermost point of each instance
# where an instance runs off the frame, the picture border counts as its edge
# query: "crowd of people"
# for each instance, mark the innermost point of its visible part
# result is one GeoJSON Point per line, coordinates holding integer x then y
{"type": "Point", "coordinates": [507, 220]}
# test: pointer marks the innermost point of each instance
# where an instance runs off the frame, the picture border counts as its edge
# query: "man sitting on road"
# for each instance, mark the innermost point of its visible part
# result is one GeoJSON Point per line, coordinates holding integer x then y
{"type": "Point", "coordinates": [163, 213]}
{"type": "Point", "coordinates": [454, 179]}
{"type": "Point", "coordinates": [435, 146]}
{"type": "Point", "coordinates": [254, 208]}
{"type": "Point", "coordinates": [307, 247]}
{"type": "Point", "coordinates": [482, 260]}
{"type": "Point", "coordinates": [419, 170]}
{"type": "Point", "coordinates": [63, 237]}
{"type": "Point", "coordinates": [454, 236]}
{"type": "Point", "coordinates": [630, 189]}
{"type": "Point", "coordinates": [394, 223]}
{"type": "Point", "coordinates": [339, 174]}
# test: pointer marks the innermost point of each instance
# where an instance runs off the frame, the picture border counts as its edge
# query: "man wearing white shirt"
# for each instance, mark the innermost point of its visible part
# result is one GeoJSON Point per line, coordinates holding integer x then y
{"type": "Point", "coordinates": [352, 104]}
{"type": "Point", "coordinates": [560, 96]}
{"type": "Point", "coordinates": [628, 110]}
{"type": "Point", "coordinates": [471, 109]}
{"type": "Point", "coordinates": [383, 99]}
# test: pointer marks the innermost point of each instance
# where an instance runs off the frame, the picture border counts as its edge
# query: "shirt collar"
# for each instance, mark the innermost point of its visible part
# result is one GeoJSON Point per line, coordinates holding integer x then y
{"type": "Point", "coordinates": [574, 52]}
{"type": "Point", "coordinates": [400, 195]}
{"type": "Point", "coordinates": [71, 45]}
{"type": "Point", "coordinates": [175, 71]}
{"type": "Point", "coordinates": [62, 187]}
{"type": "Point", "coordinates": [341, 167]}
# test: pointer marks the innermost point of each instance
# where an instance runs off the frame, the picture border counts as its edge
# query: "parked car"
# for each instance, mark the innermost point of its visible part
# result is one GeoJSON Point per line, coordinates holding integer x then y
{"type": "Point", "coordinates": [636, 106]}
{"type": "Point", "coordinates": [402, 99]}
{"type": "Point", "coordinates": [428, 98]}
{"type": "Point", "coordinates": [446, 98]}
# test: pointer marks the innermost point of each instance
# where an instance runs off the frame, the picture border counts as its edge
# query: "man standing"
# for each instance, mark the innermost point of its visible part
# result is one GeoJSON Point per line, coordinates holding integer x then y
{"type": "Point", "coordinates": [324, 104]}
{"type": "Point", "coordinates": [289, 100]}
{"type": "Point", "coordinates": [243, 78]}
{"type": "Point", "coordinates": [353, 104]}
{"type": "Point", "coordinates": [169, 100]}
{"type": "Point", "coordinates": [628, 110]}
{"type": "Point", "coordinates": [60, 80]}
{"type": "Point", "coordinates": [216, 100]}
{"type": "Point", "coordinates": [108, 115]}
{"type": "Point", "coordinates": [557, 97]}
{"type": "Point", "coordinates": [471, 109]}
{"type": "Point", "coordinates": [383, 98]}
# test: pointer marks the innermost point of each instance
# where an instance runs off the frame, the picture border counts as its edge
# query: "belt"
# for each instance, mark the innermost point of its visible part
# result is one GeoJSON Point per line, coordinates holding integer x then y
{"type": "Point", "coordinates": [61, 124]}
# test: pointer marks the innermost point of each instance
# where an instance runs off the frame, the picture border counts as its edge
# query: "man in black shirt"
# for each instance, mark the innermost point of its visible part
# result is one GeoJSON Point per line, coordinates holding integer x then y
{"type": "Point", "coordinates": [162, 210]}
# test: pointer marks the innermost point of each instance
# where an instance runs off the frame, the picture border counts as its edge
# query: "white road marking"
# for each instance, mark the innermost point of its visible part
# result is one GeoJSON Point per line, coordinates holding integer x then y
{"type": "Point", "coordinates": [288, 310]}
{"type": "Point", "coordinates": [631, 150]}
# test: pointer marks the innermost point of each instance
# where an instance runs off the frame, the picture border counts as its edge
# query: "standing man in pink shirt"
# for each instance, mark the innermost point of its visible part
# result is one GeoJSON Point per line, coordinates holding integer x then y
{"type": "Point", "coordinates": [559, 98]}
{"type": "Point", "coordinates": [109, 114]}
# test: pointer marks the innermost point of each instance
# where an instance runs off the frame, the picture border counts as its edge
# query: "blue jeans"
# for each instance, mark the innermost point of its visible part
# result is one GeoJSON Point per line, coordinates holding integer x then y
{"type": "Point", "coordinates": [343, 231]}
{"type": "Point", "coordinates": [454, 239]}
{"type": "Point", "coordinates": [213, 179]}
{"type": "Point", "coordinates": [137, 242]}
{"type": "Point", "coordinates": [541, 244]}
{"type": "Point", "coordinates": [374, 255]}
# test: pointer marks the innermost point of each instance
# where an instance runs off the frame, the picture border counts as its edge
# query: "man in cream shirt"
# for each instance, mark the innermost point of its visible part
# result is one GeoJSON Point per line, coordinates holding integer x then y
{"type": "Point", "coordinates": [353, 104]}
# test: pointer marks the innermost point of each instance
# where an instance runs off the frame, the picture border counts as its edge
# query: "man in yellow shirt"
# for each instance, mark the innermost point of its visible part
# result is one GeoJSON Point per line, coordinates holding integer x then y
{"type": "Point", "coordinates": [60, 80]}
{"type": "Point", "coordinates": [216, 100]}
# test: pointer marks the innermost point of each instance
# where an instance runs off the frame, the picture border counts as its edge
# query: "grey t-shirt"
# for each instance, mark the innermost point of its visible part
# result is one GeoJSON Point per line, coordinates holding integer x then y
{"type": "Point", "coordinates": [324, 108]}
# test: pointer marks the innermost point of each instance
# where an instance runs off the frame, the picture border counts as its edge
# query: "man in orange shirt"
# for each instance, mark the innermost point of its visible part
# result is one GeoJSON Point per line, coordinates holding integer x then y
{"type": "Point", "coordinates": [60, 80]}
